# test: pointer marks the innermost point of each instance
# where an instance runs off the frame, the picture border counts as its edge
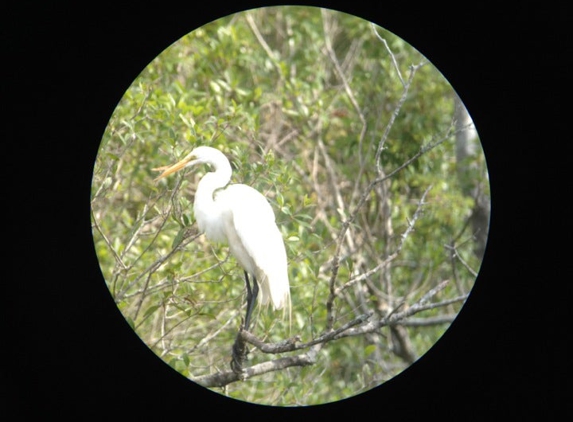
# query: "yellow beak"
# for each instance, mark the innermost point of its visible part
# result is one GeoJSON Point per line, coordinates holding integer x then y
{"type": "Point", "coordinates": [167, 170]}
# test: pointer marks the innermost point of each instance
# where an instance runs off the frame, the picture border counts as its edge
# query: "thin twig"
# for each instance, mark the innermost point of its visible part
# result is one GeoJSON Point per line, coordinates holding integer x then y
{"type": "Point", "coordinates": [342, 76]}
{"type": "Point", "coordinates": [346, 224]}
{"type": "Point", "coordinates": [394, 254]}
{"type": "Point", "coordinates": [393, 117]}
{"type": "Point", "coordinates": [456, 255]}
{"type": "Point", "coordinates": [394, 62]}
{"type": "Point", "coordinates": [263, 43]}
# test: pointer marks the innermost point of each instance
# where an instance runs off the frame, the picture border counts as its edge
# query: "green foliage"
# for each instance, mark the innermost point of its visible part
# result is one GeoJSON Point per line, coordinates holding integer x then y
{"type": "Point", "coordinates": [262, 88]}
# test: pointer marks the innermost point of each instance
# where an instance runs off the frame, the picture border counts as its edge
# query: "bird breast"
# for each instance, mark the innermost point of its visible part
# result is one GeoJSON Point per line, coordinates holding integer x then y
{"type": "Point", "coordinates": [242, 217]}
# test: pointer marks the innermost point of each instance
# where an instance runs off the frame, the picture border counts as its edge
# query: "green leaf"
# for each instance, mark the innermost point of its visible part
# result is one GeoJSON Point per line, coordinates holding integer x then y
{"type": "Point", "coordinates": [368, 350]}
{"type": "Point", "coordinates": [150, 310]}
{"type": "Point", "coordinates": [178, 238]}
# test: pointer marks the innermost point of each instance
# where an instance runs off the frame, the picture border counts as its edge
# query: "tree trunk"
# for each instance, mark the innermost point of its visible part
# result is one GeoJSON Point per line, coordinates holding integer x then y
{"type": "Point", "coordinates": [468, 151]}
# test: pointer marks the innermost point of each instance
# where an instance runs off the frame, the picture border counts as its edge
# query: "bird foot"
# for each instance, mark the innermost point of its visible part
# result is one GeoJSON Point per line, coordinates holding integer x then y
{"type": "Point", "coordinates": [237, 365]}
{"type": "Point", "coordinates": [239, 355]}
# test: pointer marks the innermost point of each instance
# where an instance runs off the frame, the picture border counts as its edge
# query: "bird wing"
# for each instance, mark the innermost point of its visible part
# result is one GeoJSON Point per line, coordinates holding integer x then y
{"type": "Point", "coordinates": [256, 242]}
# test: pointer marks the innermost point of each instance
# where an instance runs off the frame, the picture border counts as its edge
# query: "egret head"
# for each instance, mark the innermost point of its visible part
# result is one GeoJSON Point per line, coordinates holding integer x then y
{"type": "Point", "coordinates": [200, 155]}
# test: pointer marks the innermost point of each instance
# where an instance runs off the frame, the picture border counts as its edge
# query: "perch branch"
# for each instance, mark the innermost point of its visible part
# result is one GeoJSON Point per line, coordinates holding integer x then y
{"type": "Point", "coordinates": [358, 326]}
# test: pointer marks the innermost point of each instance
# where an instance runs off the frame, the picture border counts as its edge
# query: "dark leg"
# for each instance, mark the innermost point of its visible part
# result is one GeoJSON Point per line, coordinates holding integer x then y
{"type": "Point", "coordinates": [240, 346]}
{"type": "Point", "coordinates": [251, 299]}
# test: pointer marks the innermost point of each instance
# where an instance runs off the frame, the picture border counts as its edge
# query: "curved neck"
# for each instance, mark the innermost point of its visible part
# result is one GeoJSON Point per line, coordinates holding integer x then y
{"type": "Point", "coordinates": [210, 183]}
{"type": "Point", "coordinates": [206, 208]}
{"type": "Point", "coordinates": [219, 178]}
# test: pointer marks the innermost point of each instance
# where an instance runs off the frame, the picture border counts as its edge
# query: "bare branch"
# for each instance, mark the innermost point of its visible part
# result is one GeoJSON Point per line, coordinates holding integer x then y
{"type": "Point", "coordinates": [456, 255]}
{"type": "Point", "coordinates": [213, 334]}
{"type": "Point", "coordinates": [394, 254]}
{"type": "Point", "coordinates": [263, 43]}
{"type": "Point", "coordinates": [427, 322]}
{"type": "Point", "coordinates": [342, 76]}
{"type": "Point", "coordinates": [394, 62]}
{"type": "Point", "coordinates": [393, 117]}
{"type": "Point", "coordinates": [117, 258]}
{"type": "Point", "coordinates": [382, 176]}
{"type": "Point", "coordinates": [394, 318]}
{"type": "Point", "coordinates": [423, 150]}
{"type": "Point", "coordinates": [281, 347]}
{"type": "Point", "coordinates": [358, 326]}
{"type": "Point", "coordinates": [221, 379]}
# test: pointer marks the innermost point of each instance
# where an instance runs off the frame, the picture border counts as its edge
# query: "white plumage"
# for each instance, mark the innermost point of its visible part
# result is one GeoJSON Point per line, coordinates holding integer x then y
{"type": "Point", "coordinates": [242, 217]}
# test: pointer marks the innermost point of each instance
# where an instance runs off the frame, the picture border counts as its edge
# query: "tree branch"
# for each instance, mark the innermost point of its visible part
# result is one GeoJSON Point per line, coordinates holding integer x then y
{"type": "Point", "coordinates": [342, 76]}
{"type": "Point", "coordinates": [221, 379]}
{"type": "Point", "coordinates": [366, 194]}
{"type": "Point", "coordinates": [393, 117]}
{"type": "Point", "coordinates": [393, 255]}
{"type": "Point", "coordinates": [361, 325]}
{"type": "Point", "coordinates": [394, 62]}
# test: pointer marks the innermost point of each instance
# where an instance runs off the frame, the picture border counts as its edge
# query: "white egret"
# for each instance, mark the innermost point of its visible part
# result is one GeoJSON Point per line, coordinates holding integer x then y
{"type": "Point", "coordinates": [242, 217]}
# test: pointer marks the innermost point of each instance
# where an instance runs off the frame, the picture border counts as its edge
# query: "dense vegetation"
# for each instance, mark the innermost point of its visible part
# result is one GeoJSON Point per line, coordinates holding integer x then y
{"type": "Point", "coordinates": [355, 139]}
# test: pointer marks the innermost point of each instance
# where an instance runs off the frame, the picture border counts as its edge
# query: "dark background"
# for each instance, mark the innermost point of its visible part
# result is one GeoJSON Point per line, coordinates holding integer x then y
{"type": "Point", "coordinates": [67, 350]}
